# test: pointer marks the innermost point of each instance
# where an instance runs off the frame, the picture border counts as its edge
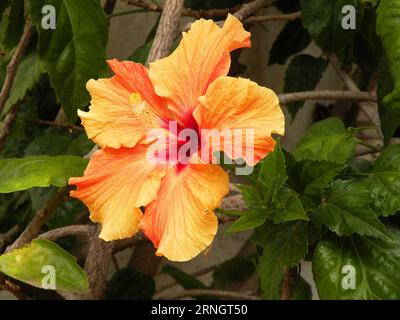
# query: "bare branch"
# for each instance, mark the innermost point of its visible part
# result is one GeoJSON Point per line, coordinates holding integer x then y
{"type": "Point", "coordinates": [186, 12]}
{"type": "Point", "coordinates": [8, 124]}
{"type": "Point", "coordinates": [274, 17]}
{"type": "Point", "coordinates": [327, 95]}
{"type": "Point", "coordinates": [289, 279]}
{"type": "Point", "coordinates": [97, 262]}
{"type": "Point", "coordinates": [14, 63]}
{"type": "Point", "coordinates": [59, 124]}
{"type": "Point", "coordinates": [212, 293]}
{"type": "Point", "coordinates": [130, 242]}
{"type": "Point", "coordinates": [249, 8]}
{"type": "Point", "coordinates": [166, 30]}
{"type": "Point", "coordinates": [109, 6]}
{"type": "Point", "coordinates": [8, 236]}
{"type": "Point", "coordinates": [74, 230]}
{"type": "Point", "coordinates": [350, 84]}
{"type": "Point", "coordinates": [42, 215]}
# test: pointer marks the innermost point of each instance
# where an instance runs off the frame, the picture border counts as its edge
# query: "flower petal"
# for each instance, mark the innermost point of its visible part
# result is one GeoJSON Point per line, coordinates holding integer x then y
{"type": "Point", "coordinates": [237, 103]}
{"type": "Point", "coordinates": [123, 107]}
{"type": "Point", "coordinates": [116, 183]}
{"type": "Point", "coordinates": [181, 222]}
{"type": "Point", "coordinates": [134, 78]}
{"type": "Point", "coordinates": [201, 57]}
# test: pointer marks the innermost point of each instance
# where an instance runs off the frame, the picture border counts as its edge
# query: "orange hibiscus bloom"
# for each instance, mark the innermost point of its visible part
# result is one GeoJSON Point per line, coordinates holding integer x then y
{"type": "Point", "coordinates": [191, 88]}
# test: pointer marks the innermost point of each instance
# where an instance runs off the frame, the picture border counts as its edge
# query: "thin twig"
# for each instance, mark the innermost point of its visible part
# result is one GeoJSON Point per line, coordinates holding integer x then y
{"type": "Point", "coordinates": [186, 12]}
{"type": "Point", "coordinates": [8, 123]}
{"type": "Point", "coordinates": [212, 293]}
{"type": "Point", "coordinates": [60, 125]}
{"type": "Point", "coordinates": [124, 13]}
{"type": "Point", "coordinates": [250, 8]}
{"type": "Point", "coordinates": [274, 17]}
{"type": "Point", "coordinates": [41, 217]}
{"type": "Point", "coordinates": [350, 84]}
{"type": "Point", "coordinates": [173, 283]}
{"type": "Point", "coordinates": [14, 63]}
{"type": "Point", "coordinates": [327, 95]}
{"type": "Point", "coordinates": [8, 236]}
{"type": "Point", "coordinates": [368, 145]}
{"type": "Point", "coordinates": [109, 6]}
{"type": "Point", "coordinates": [74, 230]}
{"type": "Point", "coordinates": [130, 242]}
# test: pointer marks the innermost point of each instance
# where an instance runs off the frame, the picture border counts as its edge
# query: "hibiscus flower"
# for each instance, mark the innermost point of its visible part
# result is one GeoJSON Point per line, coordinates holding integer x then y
{"type": "Point", "coordinates": [191, 88]}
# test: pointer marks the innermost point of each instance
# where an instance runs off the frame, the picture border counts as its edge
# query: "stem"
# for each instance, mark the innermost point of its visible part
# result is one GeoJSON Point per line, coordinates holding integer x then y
{"type": "Point", "coordinates": [42, 215]}
{"type": "Point", "coordinates": [275, 17]}
{"type": "Point", "coordinates": [59, 124]}
{"type": "Point", "coordinates": [119, 14]}
{"type": "Point", "coordinates": [249, 8]}
{"type": "Point", "coordinates": [369, 146]}
{"type": "Point", "coordinates": [8, 123]}
{"type": "Point", "coordinates": [14, 63]}
{"type": "Point", "coordinates": [74, 230]}
{"type": "Point", "coordinates": [186, 12]}
{"type": "Point", "coordinates": [288, 282]}
{"type": "Point", "coordinates": [327, 95]}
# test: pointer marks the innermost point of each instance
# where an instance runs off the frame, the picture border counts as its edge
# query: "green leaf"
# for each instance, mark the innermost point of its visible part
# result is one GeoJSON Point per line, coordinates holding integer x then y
{"type": "Point", "coordinates": [359, 166]}
{"type": "Point", "coordinates": [55, 142]}
{"type": "Point", "coordinates": [3, 6]}
{"type": "Point", "coordinates": [288, 207]}
{"type": "Point", "coordinates": [310, 178]}
{"type": "Point", "coordinates": [140, 54]}
{"type": "Point", "coordinates": [64, 215]}
{"type": "Point", "coordinates": [326, 140]}
{"type": "Point", "coordinates": [272, 172]}
{"type": "Point", "coordinates": [376, 263]}
{"type": "Point", "coordinates": [291, 40]}
{"type": "Point", "coordinates": [186, 280]}
{"type": "Point", "coordinates": [254, 198]}
{"type": "Point", "coordinates": [303, 74]}
{"type": "Point", "coordinates": [31, 264]}
{"type": "Point", "coordinates": [235, 270]}
{"type": "Point", "coordinates": [323, 20]}
{"type": "Point", "coordinates": [27, 76]}
{"type": "Point", "coordinates": [247, 221]}
{"type": "Point", "coordinates": [346, 210]}
{"type": "Point", "coordinates": [389, 113]}
{"type": "Point", "coordinates": [388, 29]}
{"type": "Point", "coordinates": [130, 284]}
{"type": "Point", "coordinates": [74, 52]}
{"type": "Point", "coordinates": [40, 171]}
{"type": "Point", "coordinates": [12, 25]}
{"type": "Point", "coordinates": [384, 182]}
{"type": "Point", "coordinates": [283, 245]}
{"type": "Point", "coordinates": [367, 47]}
{"type": "Point", "coordinates": [301, 290]}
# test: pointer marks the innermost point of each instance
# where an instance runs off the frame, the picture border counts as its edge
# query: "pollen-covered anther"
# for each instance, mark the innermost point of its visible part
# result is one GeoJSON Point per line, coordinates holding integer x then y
{"type": "Point", "coordinates": [140, 109]}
